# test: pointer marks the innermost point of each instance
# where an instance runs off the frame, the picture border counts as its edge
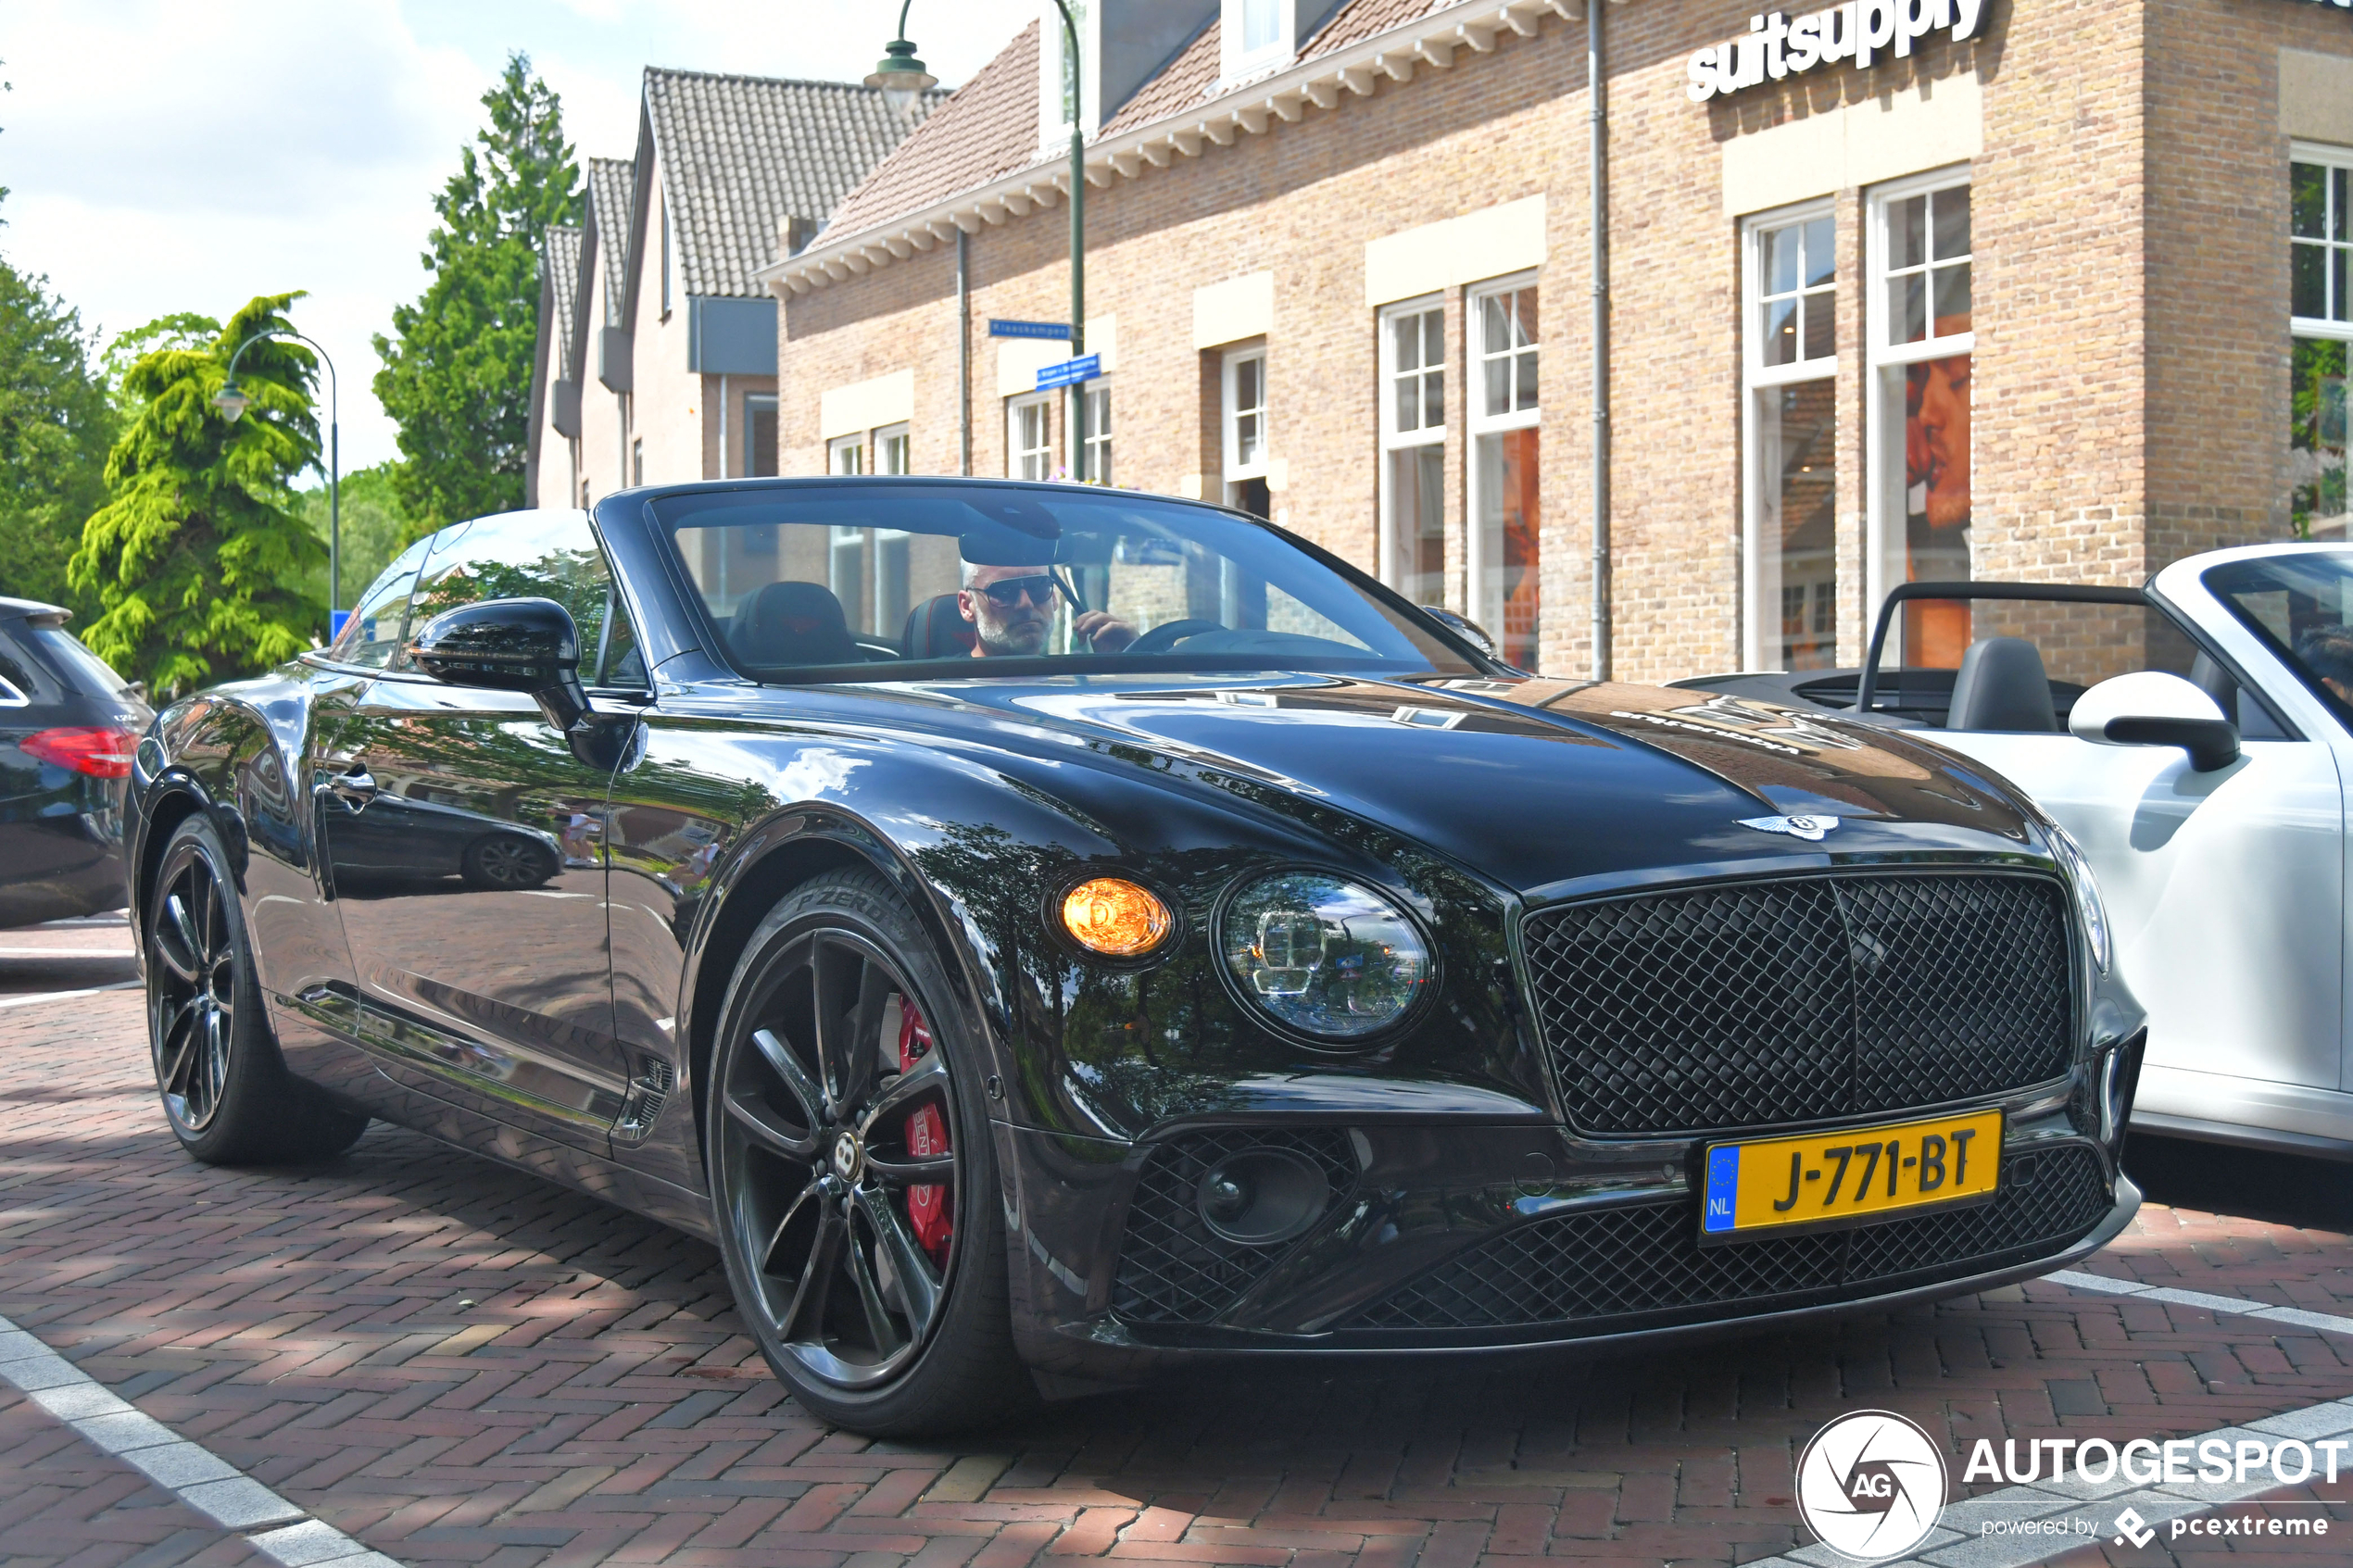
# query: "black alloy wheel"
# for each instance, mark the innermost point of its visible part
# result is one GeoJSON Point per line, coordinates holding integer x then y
{"type": "Point", "coordinates": [192, 988]}
{"type": "Point", "coordinates": [506, 861]}
{"type": "Point", "coordinates": [851, 1172]}
{"type": "Point", "coordinates": [225, 1089]}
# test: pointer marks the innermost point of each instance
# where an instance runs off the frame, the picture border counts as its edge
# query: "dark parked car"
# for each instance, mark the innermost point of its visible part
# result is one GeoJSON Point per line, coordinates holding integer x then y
{"type": "Point", "coordinates": [1045, 934]}
{"type": "Point", "coordinates": [67, 725]}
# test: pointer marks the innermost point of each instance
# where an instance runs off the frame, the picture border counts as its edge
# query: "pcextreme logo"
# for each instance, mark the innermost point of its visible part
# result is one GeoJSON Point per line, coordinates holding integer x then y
{"type": "Point", "coordinates": [1870, 1485]}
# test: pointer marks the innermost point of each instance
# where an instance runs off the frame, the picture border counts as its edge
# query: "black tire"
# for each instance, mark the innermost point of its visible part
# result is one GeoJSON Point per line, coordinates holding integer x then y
{"type": "Point", "coordinates": [225, 1089]}
{"type": "Point", "coordinates": [913, 1341]}
{"type": "Point", "coordinates": [506, 860]}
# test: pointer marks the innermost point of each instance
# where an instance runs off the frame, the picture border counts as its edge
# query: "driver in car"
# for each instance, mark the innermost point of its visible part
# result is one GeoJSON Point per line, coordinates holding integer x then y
{"type": "Point", "coordinates": [2327, 651]}
{"type": "Point", "coordinates": [1011, 606]}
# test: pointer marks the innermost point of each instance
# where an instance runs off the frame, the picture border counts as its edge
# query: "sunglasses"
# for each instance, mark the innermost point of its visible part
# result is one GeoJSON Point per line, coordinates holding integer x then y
{"type": "Point", "coordinates": [1008, 592]}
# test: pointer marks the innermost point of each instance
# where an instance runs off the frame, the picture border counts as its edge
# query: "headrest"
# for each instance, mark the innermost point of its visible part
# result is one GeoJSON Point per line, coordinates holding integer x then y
{"type": "Point", "coordinates": [787, 623]}
{"type": "Point", "coordinates": [2002, 686]}
{"type": "Point", "coordinates": [937, 629]}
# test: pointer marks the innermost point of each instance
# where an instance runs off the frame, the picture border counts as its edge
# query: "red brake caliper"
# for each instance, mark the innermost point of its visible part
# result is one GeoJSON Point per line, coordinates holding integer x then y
{"type": "Point", "coordinates": [927, 1208]}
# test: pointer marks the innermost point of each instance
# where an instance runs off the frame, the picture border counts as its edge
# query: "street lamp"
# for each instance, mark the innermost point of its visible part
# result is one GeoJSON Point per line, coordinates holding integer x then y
{"type": "Point", "coordinates": [233, 402]}
{"type": "Point", "coordinates": [901, 77]}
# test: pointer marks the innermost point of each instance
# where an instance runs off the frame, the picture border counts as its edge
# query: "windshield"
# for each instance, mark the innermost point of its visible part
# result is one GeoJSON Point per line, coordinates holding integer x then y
{"type": "Point", "coordinates": [2302, 605]}
{"type": "Point", "coordinates": [866, 579]}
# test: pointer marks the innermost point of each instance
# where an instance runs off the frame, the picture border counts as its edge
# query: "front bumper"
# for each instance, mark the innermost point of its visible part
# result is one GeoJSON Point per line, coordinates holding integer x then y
{"type": "Point", "coordinates": [1453, 1238]}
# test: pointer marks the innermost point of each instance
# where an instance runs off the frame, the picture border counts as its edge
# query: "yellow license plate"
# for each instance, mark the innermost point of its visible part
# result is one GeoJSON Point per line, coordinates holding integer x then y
{"type": "Point", "coordinates": [1831, 1179]}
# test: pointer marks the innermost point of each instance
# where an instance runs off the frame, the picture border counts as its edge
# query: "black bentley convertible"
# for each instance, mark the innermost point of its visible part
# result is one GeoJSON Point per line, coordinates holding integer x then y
{"type": "Point", "coordinates": [1046, 933]}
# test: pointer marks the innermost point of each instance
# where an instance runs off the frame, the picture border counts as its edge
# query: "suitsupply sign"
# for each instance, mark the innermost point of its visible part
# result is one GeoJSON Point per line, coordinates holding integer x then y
{"type": "Point", "coordinates": [1779, 45]}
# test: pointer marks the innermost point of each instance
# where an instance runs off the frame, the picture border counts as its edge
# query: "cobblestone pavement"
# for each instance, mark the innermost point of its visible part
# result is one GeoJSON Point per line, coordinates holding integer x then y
{"type": "Point", "coordinates": [457, 1363]}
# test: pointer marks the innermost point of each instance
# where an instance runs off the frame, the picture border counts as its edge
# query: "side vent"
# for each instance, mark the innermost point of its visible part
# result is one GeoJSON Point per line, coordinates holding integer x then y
{"type": "Point", "coordinates": [647, 1090]}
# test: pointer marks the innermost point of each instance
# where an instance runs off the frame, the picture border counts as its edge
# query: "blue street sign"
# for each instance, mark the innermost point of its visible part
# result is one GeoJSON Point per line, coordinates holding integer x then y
{"type": "Point", "coordinates": [1070, 371]}
{"type": "Point", "coordinates": [1059, 331]}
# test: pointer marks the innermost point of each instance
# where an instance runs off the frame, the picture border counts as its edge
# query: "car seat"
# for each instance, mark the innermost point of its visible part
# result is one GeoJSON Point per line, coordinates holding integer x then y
{"type": "Point", "coordinates": [787, 623]}
{"type": "Point", "coordinates": [937, 629]}
{"type": "Point", "coordinates": [2003, 686]}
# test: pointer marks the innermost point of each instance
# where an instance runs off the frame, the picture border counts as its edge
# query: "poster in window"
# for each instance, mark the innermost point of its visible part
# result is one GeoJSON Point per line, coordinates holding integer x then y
{"type": "Point", "coordinates": [1937, 502]}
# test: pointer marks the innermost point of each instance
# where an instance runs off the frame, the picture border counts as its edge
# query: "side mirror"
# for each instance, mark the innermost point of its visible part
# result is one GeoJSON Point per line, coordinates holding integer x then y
{"type": "Point", "coordinates": [2154, 709]}
{"type": "Point", "coordinates": [510, 645]}
{"type": "Point", "coordinates": [1470, 630]}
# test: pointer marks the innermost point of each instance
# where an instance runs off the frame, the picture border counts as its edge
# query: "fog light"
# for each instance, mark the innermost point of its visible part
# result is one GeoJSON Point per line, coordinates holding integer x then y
{"type": "Point", "coordinates": [1114, 916]}
{"type": "Point", "coordinates": [1262, 1196]}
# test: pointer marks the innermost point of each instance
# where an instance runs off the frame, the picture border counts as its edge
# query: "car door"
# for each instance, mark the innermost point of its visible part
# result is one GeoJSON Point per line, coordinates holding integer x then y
{"type": "Point", "coordinates": [466, 841]}
{"type": "Point", "coordinates": [2224, 889]}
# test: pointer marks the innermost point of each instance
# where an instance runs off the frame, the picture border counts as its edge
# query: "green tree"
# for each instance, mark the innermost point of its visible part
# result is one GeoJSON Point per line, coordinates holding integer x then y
{"type": "Point", "coordinates": [456, 371]}
{"type": "Point", "coordinates": [182, 329]}
{"type": "Point", "coordinates": [55, 425]}
{"type": "Point", "coordinates": [374, 528]}
{"type": "Point", "coordinates": [198, 561]}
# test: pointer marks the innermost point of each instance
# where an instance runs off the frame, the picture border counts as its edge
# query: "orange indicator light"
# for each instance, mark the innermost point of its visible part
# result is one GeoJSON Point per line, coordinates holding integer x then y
{"type": "Point", "coordinates": [1110, 915]}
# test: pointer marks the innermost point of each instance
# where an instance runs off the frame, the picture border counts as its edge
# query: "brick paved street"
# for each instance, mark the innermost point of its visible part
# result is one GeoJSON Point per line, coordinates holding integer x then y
{"type": "Point", "coordinates": [457, 1363]}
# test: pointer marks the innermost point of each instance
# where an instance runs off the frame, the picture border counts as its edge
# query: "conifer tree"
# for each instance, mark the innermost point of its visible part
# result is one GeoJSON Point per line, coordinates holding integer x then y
{"type": "Point", "coordinates": [197, 561]}
{"type": "Point", "coordinates": [456, 371]}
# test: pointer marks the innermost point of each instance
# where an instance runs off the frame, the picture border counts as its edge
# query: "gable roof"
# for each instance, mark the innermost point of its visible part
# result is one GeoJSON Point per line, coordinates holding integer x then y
{"type": "Point", "coordinates": [611, 181]}
{"type": "Point", "coordinates": [740, 155]}
{"type": "Point", "coordinates": [988, 127]}
{"type": "Point", "coordinates": [976, 159]}
{"type": "Point", "coordinates": [560, 270]}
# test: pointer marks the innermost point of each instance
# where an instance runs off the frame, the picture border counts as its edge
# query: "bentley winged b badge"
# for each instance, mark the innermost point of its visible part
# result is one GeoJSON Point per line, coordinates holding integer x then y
{"type": "Point", "coordinates": [1811, 829]}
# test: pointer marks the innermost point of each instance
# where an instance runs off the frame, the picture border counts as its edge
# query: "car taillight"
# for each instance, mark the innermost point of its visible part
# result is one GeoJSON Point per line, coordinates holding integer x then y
{"type": "Point", "coordinates": [101, 753]}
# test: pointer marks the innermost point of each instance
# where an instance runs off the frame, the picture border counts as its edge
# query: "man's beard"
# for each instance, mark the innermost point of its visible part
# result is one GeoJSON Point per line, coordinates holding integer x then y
{"type": "Point", "coordinates": [1013, 639]}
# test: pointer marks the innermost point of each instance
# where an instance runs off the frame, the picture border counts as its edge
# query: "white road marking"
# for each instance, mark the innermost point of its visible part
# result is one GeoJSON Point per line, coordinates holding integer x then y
{"type": "Point", "coordinates": [189, 1470]}
{"type": "Point", "coordinates": [2327, 1322]}
{"type": "Point", "coordinates": [65, 953]}
{"type": "Point", "coordinates": [62, 995]}
{"type": "Point", "coordinates": [1956, 1543]}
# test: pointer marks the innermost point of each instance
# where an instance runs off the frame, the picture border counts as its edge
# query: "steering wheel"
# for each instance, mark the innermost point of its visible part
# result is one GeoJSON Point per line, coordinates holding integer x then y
{"type": "Point", "coordinates": [1167, 635]}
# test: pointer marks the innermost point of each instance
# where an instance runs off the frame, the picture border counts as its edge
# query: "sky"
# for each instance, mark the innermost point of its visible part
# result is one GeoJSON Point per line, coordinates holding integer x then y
{"type": "Point", "coordinates": [189, 154]}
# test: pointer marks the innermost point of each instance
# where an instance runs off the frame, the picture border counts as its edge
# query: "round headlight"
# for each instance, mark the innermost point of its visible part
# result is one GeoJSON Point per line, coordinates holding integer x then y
{"type": "Point", "coordinates": [1322, 956]}
{"type": "Point", "coordinates": [2088, 906]}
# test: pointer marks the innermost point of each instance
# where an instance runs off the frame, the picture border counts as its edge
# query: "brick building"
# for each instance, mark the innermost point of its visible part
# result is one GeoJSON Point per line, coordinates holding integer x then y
{"type": "Point", "coordinates": [1897, 289]}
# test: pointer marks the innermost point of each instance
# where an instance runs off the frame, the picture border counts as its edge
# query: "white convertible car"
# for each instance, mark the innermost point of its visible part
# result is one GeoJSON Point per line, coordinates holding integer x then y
{"type": "Point", "coordinates": [2195, 737]}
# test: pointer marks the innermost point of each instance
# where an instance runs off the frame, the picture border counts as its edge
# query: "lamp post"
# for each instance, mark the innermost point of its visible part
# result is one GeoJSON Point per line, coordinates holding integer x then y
{"type": "Point", "coordinates": [233, 403]}
{"type": "Point", "coordinates": [901, 77]}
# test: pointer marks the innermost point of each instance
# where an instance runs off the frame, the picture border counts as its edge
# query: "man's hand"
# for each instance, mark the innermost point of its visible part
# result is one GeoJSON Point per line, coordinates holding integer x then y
{"type": "Point", "coordinates": [1104, 632]}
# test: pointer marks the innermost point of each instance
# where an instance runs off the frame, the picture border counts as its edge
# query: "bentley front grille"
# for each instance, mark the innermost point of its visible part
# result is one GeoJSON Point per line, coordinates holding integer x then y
{"type": "Point", "coordinates": [1757, 1004]}
{"type": "Point", "coordinates": [1630, 1262]}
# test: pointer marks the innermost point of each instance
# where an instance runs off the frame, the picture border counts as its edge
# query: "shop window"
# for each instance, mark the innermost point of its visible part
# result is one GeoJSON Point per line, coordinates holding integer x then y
{"type": "Point", "coordinates": [1246, 486]}
{"type": "Point", "coordinates": [1789, 557]}
{"type": "Point", "coordinates": [1029, 437]}
{"type": "Point", "coordinates": [1094, 434]}
{"type": "Point", "coordinates": [759, 436]}
{"type": "Point", "coordinates": [891, 449]}
{"type": "Point", "coordinates": [1501, 555]}
{"type": "Point", "coordinates": [2320, 272]}
{"type": "Point", "coordinates": [847, 454]}
{"type": "Point", "coordinates": [1413, 436]}
{"type": "Point", "coordinates": [1920, 345]}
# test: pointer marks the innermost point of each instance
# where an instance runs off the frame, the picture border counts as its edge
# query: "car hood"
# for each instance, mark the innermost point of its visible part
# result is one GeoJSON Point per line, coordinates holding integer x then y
{"type": "Point", "coordinates": [1539, 784]}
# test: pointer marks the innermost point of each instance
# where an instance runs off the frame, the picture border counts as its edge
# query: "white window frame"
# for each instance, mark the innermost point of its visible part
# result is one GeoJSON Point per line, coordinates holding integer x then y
{"type": "Point", "coordinates": [1392, 439]}
{"type": "Point", "coordinates": [851, 448]}
{"type": "Point", "coordinates": [1093, 439]}
{"type": "Point", "coordinates": [1230, 416]}
{"type": "Point", "coordinates": [2327, 157]}
{"type": "Point", "coordinates": [1478, 421]}
{"type": "Point", "coordinates": [1235, 60]}
{"type": "Point", "coordinates": [893, 449]}
{"type": "Point", "coordinates": [1880, 357]}
{"type": "Point", "coordinates": [1044, 451]}
{"type": "Point", "coordinates": [1758, 376]}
